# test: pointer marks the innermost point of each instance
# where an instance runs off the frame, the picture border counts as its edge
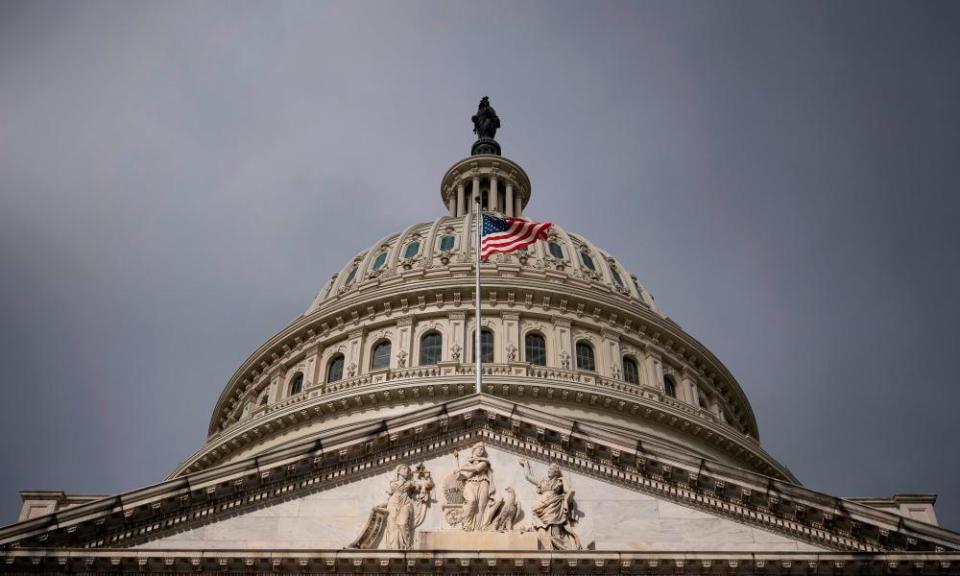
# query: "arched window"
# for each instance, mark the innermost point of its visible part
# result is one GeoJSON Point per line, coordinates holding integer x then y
{"type": "Point", "coordinates": [296, 385]}
{"type": "Point", "coordinates": [335, 368]}
{"type": "Point", "coordinates": [535, 349]}
{"type": "Point", "coordinates": [669, 386]}
{"type": "Point", "coordinates": [585, 357]}
{"type": "Point", "coordinates": [630, 373]}
{"type": "Point", "coordinates": [447, 242]}
{"type": "Point", "coordinates": [486, 346]}
{"type": "Point", "coordinates": [351, 276]}
{"type": "Point", "coordinates": [555, 250]}
{"type": "Point", "coordinates": [379, 261]}
{"type": "Point", "coordinates": [381, 355]}
{"type": "Point", "coordinates": [431, 347]}
{"type": "Point", "coordinates": [412, 249]}
{"type": "Point", "coordinates": [587, 260]}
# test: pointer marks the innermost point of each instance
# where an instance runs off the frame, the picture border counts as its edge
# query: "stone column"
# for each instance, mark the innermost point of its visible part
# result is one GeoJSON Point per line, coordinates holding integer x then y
{"type": "Point", "coordinates": [476, 191]}
{"type": "Point", "coordinates": [611, 355]}
{"type": "Point", "coordinates": [511, 336]}
{"type": "Point", "coordinates": [353, 360]}
{"type": "Point", "coordinates": [492, 195]}
{"type": "Point", "coordinates": [404, 342]}
{"type": "Point", "coordinates": [510, 204]}
{"type": "Point", "coordinates": [276, 385]}
{"type": "Point", "coordinates": [458, 335]}
{"type": "Point", "coordinates": [654, 372]}
{"type": "Point", "coordinates": [518, 210]}
{"type": "Point", "coordinates": [563, 344]}
{"type": "Point", "coordinates": [452, 202]}
{"type": "Point", "coordinates": [460, 207]}
{"type": "Point", "coordinates": [689, 389]}
{"type": "Point", "coordinates": [311, 375]}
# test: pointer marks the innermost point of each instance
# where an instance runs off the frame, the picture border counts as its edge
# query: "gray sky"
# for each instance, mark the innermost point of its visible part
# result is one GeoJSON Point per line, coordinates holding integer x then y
{"type": "Point", "coordinates": [177, 180]}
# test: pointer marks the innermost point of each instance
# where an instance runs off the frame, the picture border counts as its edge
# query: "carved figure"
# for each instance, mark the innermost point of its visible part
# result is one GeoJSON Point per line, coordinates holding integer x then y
{"type": "Point", "coordinates": [471, 498]}
{"type": "Point", "coordinates": [406, 507]}
{"type": "Point", "coordinates": [455, 352]}
{"type": "Point", "coordinates": [485, 121]}
{"type": "Point", "coordinates": [511, 353]}
{"type": "Point", "coordinates": [553, 513]}
{"type": "Point", "coordinates": [477, 488]}
{"type": "Point", "coordinates": [506, 513]}
{"type": "Point", "coordinates": [402, 359]}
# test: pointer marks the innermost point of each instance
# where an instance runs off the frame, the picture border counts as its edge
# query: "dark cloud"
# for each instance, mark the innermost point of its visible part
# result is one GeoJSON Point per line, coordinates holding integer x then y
{"type": "Point", "coordinates": [178, 179]}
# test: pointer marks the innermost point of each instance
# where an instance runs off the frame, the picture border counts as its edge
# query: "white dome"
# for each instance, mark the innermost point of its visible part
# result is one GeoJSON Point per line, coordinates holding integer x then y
{"type": "Point", "coordinates": [566, 329]}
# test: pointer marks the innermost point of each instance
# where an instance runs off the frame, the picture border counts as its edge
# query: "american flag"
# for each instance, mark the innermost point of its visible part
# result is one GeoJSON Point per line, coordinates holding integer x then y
{"type": "Point", "coordinates": [501, 235]}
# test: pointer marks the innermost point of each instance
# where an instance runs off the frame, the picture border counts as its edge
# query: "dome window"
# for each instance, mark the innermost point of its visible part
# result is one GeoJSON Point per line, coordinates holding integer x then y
{"type": "Point", "coordinates": [296, 385]}
{"type": "Point", "coordinates": [616, 275]}
{"type": "Point", "coordinates": [335, 369]}
{"type": "Point", "coordinates": [587, 261]}
{"type": "Point", "coordinates": [381, 355]}
{"type": "Point", "coordinates": [447, 242]}
{"type": "Point", "coordinates": [585, 360]}
{"type": "Point", "coordinates": [431, 347]}
{"type": "Point", "coordinates": [630, 373]}
{"type": "Point", "coordinates": [535, 349]}
{"type": "Point", "coordinates": [555, 250]}
{"type": "Point", "coordinates": [669, 387]}
{"type": "Point", "coordinates": [350, 277]}
{"type": "Point", "coordinates": [380, 260]}
{"type": "Point", "coordinates": [412, 250]}
{"type": "Point", "coordinates": [486, 346]}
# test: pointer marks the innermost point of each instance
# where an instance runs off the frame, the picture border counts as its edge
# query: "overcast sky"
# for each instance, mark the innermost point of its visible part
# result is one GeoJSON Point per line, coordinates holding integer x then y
{"type": "Point", "coordinates": [177, 180]}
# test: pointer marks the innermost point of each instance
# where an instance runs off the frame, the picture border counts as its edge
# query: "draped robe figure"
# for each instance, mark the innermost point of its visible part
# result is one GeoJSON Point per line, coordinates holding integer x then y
{"type": "Point", "coordinates": [552, 517]}
{"type": "Point", "coordinates": [406, 507]}
{"type": "Point", "coordinates": [478, 488]}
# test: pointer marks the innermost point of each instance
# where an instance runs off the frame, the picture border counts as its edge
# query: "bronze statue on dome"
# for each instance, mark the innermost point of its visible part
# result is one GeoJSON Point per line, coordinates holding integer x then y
{"type": "Point", "coordinates": [485, 121]}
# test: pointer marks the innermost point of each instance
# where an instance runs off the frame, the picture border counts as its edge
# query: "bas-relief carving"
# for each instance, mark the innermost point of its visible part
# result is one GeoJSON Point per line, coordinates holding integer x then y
{"type": "Point", "coordinates": [607, 516]}
{"type": "Point", "coordinates": [409, 497]}
{"type": "Point", "coordinates": [471, 499]}
{"type": "Point", "coordinates": [553, 514]}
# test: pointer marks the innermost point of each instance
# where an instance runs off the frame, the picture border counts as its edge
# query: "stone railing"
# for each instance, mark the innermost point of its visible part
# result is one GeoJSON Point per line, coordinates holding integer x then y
{"type": "Point", "coordinates": [454, 369]}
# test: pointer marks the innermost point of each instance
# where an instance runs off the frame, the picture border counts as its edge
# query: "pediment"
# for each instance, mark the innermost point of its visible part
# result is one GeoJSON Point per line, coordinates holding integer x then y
{"type": "Point", "coordinates": [607, 516]}
{"type": "Point", "coordinates": [319, 494]}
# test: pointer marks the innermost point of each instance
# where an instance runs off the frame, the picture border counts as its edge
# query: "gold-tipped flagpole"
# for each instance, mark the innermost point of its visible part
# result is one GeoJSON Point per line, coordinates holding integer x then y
{"type": "Point", "coordinates": [478, 212]}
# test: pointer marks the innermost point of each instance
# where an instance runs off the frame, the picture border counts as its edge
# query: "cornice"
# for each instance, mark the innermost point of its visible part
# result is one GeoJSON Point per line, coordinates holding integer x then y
{"type": "Point", "coordinates": [368, 449]}
{"type": "Point", "coordinates": [35, 561]}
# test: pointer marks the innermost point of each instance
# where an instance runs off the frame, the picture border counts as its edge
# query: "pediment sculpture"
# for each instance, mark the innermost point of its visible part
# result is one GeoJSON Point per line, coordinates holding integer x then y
{"type": "Point", "coordinates": [396, 521]}
{"type": "Point", "coordinates": [472, 501]}
{"type": "Point", "coordinates": [554, 513]}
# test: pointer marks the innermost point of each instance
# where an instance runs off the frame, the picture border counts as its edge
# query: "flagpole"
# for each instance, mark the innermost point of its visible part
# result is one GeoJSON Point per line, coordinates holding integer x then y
{"type": "Point", "coordinates": [479, 217]}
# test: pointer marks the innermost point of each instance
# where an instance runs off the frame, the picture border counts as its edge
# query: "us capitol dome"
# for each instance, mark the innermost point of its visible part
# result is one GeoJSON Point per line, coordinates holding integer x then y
{"type": "Point", "coordinates": [565, 328]}
{"type": "Point", "coordinates": [604, 440]}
